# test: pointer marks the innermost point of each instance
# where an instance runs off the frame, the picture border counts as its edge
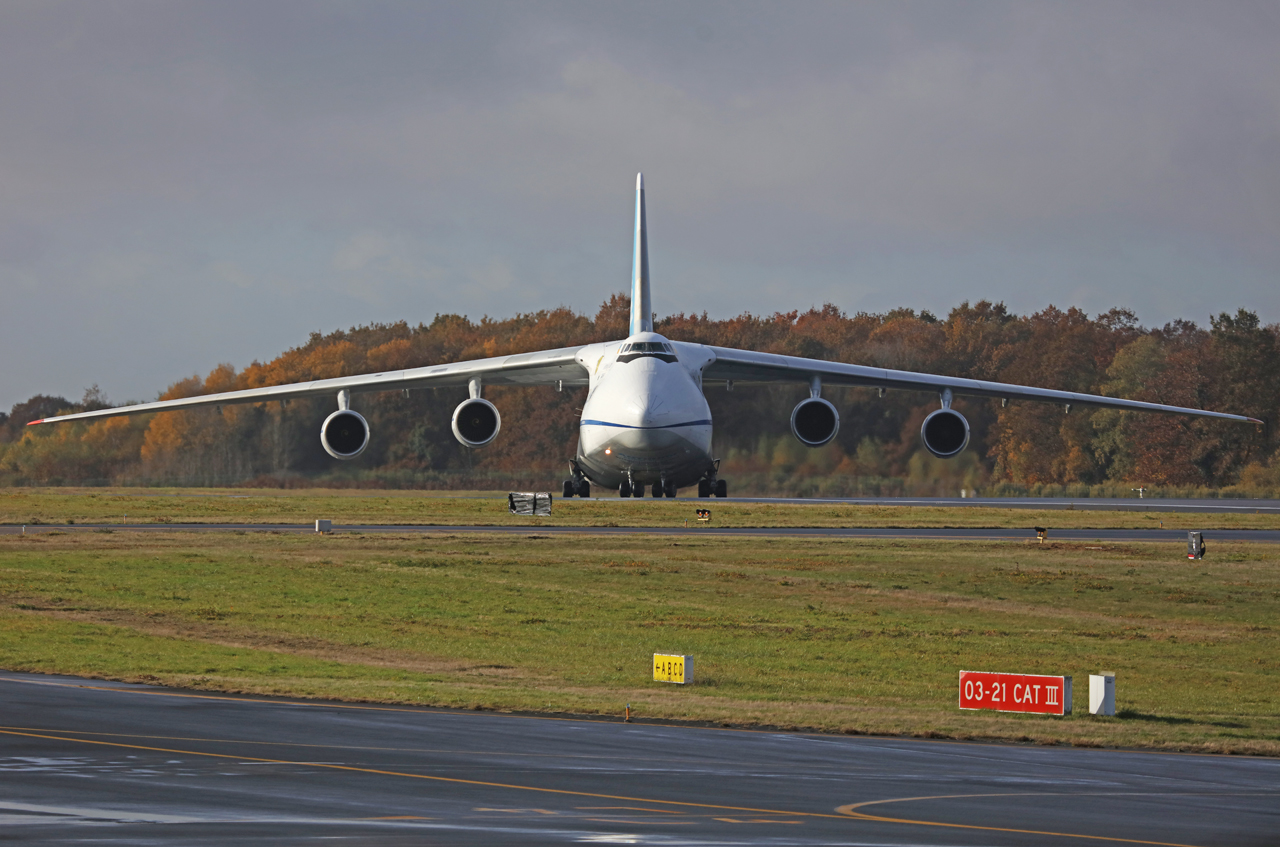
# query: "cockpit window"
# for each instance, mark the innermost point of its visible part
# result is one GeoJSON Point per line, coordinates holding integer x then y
{"type": "Point", "coordinates": [647, 349]}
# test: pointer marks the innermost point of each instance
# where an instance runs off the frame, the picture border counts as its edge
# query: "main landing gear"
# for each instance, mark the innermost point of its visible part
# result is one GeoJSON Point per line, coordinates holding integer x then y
{"type": "Point", "coordinates": [716, 488]}
{"type": "Point", "coordinates": [578, 485]}
{"type": "Point", "coordinates": [712, 484]}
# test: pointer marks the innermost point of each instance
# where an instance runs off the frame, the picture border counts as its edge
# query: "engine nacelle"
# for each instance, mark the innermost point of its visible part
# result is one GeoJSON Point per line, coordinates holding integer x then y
{"type": "Point", "coordinates": [945, 433]}
{"type": "Point", "coordinates": [476, 422]}
{"type": "Point", "coordinates": [814, 421]}
{"type": "Point", "coordinates": [344, 434]}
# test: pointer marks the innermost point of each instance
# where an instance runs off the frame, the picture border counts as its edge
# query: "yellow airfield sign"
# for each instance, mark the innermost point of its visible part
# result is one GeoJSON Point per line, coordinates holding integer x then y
{"type": "Point", "coordinates": [672, 668]}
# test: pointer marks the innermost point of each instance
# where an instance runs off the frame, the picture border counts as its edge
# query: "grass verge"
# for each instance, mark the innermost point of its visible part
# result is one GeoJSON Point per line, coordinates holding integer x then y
{"type": "Point", "coordinates": [826, 634]}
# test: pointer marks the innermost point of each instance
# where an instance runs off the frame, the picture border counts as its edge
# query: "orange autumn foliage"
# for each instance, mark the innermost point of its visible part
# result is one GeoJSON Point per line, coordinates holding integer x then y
{"type": "Point", "coordinates": [1233, 365]}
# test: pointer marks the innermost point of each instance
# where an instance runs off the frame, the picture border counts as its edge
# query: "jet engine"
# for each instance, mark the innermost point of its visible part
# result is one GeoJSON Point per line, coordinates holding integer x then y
{"type": "Point", "coordinates": [476, 422]}
{"type": "Point", "coordinates": [344, 434]}
{"type": "Point", "coordinates": [945, 433]}
{"type": "Point", "coordinates": [814, 421]}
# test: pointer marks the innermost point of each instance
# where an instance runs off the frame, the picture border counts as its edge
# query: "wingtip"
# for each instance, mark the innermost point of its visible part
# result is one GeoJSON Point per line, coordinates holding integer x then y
{"type": "Point", "coordinates": [33, 423]}
{"type": "Point", "coordinates": [640, 182]}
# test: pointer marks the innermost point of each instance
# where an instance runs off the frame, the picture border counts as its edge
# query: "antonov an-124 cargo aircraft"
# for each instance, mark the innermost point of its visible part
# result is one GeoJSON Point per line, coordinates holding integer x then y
{"type": "Point", "coordinates": [645, 421]}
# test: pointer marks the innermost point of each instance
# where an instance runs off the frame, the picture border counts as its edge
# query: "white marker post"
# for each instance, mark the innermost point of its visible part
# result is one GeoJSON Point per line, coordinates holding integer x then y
{"type": "Point", "coordinates": [1102, 693]}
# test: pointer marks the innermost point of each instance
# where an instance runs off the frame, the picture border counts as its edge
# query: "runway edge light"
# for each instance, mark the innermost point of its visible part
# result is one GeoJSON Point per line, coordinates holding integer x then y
{"type": "Point", "coordinates": [671, 667]}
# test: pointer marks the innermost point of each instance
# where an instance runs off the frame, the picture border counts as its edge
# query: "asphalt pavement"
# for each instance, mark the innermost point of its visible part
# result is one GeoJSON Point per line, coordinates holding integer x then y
{"type": "Point", "coordinates": [1083, 504]}
{"type": "Point", "coordinates": [1187, 507]}
{"type": "Point", "coordinates": [110, 763]}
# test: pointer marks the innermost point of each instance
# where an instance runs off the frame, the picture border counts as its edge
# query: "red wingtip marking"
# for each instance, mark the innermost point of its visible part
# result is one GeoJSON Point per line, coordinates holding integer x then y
{"type": "Point", "coordinates": [33, 423]}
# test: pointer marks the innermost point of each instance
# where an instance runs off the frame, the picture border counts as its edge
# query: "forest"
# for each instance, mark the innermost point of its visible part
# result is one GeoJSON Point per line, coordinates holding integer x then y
{"type": "Point", "coordinates": [1233, 365]}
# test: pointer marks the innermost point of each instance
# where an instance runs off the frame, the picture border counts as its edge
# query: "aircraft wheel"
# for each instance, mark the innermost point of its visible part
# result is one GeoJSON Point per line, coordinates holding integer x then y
{"type": "Point", "coordinates": [638, 490]}
{"type": "Point", "coordinates": [625, 489]}
{"type": "Point", "coordinates": [568, 488]}
{"type": "Point", "coordinates": [704, 488]}
{"type": "Point", "coordinates": [584, 488]}
{"type": "Point", "coordinates": [669, 489]}
{"type": "Point", "coordinates": [722, 488]}
{"type": "Point", "coordinates": [657, 489]}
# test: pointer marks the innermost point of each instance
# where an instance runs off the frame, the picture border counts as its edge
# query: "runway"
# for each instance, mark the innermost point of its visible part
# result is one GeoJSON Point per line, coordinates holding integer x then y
{"type": "Point", "coordinates": [1082, 504]}
{"type": "Point", "coordinates": [110, 763]}
{"type": "Point", "coordinates": [1265, 536]}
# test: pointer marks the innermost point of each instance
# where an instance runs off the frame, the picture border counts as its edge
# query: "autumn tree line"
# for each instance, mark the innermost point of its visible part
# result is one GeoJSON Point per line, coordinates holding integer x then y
{"type": "Point", "coordinates": [1232, 365]}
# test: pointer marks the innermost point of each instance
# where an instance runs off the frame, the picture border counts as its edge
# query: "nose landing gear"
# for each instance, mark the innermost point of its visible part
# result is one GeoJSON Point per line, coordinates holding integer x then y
{"type": "Point", "coordinates": [664, 488]}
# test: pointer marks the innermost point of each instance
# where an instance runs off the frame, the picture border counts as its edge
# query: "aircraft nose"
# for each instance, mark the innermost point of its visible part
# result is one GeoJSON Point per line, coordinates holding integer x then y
{"type": "Point", "coordinates": [646, 409]}
{"type": "Point", "coordinates": [650, 398]}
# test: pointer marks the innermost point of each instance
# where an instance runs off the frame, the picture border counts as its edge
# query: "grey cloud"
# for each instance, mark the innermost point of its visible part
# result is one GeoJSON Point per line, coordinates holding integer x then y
{"type": "Point", "coordinates": [262, 169]}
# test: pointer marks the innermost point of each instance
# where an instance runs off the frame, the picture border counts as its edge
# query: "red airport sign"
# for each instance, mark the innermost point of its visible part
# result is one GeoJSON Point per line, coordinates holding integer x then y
{"type": "Point", "coordinates": [1015, 692]}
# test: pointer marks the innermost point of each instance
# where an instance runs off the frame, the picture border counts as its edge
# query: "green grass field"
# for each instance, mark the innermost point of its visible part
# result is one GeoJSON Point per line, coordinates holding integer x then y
{"type": "Point", "coordinates": [150, 505]}
{"type": "Point", "coordinates": [829, 634]}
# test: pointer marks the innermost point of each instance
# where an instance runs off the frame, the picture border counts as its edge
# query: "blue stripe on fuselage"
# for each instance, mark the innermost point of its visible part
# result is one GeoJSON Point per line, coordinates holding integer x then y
{"type": "Point", "coordinates": [628, 426]}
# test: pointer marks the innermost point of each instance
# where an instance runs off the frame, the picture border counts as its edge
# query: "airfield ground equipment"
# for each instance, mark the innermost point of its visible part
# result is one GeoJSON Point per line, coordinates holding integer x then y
{"type": "Point", "coordinates": [530, 503]}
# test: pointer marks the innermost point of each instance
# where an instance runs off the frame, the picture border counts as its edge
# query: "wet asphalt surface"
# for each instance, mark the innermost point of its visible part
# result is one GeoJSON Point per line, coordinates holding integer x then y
{"type": "Point", "coordinates": [90, 762]}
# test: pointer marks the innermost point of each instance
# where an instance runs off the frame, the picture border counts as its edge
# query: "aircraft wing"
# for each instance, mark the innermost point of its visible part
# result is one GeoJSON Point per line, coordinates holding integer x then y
{"type": "Point", "coordinates": [547, 367]}
{"type": "Point", "coordinates": [746, 366]}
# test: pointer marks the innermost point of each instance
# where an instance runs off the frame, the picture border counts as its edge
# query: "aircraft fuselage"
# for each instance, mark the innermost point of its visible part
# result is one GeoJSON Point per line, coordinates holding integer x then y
{"type": "Point", "coordinates": [645, 418]}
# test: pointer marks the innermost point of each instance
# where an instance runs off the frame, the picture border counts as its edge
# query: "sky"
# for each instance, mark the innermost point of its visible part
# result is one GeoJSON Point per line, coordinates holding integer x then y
{"type": "Point", "coordinates": [187, 184]}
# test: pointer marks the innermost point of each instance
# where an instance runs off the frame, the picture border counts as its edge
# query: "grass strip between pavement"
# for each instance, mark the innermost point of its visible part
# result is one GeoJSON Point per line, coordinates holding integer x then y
{"type": "Point", "coordinates": [828, 634]}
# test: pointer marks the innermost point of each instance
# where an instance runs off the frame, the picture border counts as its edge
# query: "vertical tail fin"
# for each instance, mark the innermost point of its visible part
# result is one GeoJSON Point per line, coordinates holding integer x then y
{"type": "Point", "coordinates": [641, 306]}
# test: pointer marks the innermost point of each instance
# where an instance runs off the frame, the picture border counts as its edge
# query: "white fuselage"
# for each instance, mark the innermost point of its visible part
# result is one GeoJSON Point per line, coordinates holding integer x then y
{"type": "Point", "coordinates": [645, 419]}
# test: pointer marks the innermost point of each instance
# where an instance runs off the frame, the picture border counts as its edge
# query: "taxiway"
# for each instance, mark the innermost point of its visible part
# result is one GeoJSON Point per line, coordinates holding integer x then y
{"type": "Point", "coordinates": [112, 763]}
